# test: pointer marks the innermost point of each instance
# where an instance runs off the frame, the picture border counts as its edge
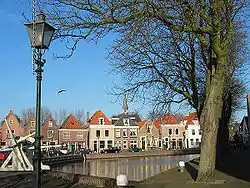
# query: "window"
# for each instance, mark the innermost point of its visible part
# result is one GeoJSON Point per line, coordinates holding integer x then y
{"type": "Point", "coordinates": [106, 132]}
{"type": "Point", "coordinates": [148, 128]}
{"type": "Point", "coordinates": [101, 121]}
{"type": "Point", "coordinates": [133, 133]}
{"type": "Point", "coordinates": [98, 133]}
{"type": "Point", "coordinates": [32, 124]}
{"type": "Point", "coordinates": [126, 121]}
{"type": "Point", "coordinates": [110, 143]}
{"type": "Point", "coordinates": [11, 121]}
{"type": "Point", "coordinates": [170, 132]}
{"type": "Point", "coordinates": [197, 141]}
{"type": "Point", "coordinates": [200, 132]}
{"type": "Point", "coordinates": [32, 131]}
{"type": "Point", "coordinates": [102, 144]}
{"type": "Point", "coordinates": [133, 143]}
{"type": "Point", "coordinates": [166, 139]}
{"type": "Point", "coordinates": [117, 133]}
{"type": "Point", "coordinates": [193, 131]}
{"type": "Point", "coordinates": [125, 133]}
{"type": "Point", "coordinates": [79, 136]}
{"type": "Point", "coordinates": [50, 133]}
{"type": "Point", "coordinates": [192, 141]}
{"type": "Point", "coordinates": [66, 135]}
{"type": "Point", "coordinates": [176, 131]}
{"type": "Point", "coordinates": [50, 123]}
{"type": "Point", "coordinates": [8, 134]}
{"type": "Point", "coordinates": [125, 144]}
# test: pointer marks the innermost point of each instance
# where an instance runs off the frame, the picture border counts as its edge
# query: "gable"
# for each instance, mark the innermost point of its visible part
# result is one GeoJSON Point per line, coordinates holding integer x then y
{"type": "Point", "coordinates": [71, 123]}
{"type": "Point", "coordinates": [95, 119]}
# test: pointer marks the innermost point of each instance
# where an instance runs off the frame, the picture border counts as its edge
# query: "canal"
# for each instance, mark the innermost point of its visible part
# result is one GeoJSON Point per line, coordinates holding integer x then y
{"type": "Point", "coordinates": [137, 169]}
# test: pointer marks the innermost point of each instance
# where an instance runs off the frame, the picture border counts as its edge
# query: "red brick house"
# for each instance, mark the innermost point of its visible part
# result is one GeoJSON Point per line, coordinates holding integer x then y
{"type": "Point", "coordinates": [50, 131]}
{"type": "Point", "coordinates": [30, 126]}
{"type": "Point", "coordinates": [15, 126]}
{"type": "Point", "coordinates": [73, 135]}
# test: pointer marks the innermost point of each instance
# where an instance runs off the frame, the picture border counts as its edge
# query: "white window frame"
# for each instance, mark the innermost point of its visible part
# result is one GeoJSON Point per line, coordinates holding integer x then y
{"type": "Point", "coordinates": [177, 131]}
{"type": "Point", "coordinates": [11, 121]}
{"type": "Point", "coordinates": [79, 135]}
{"type": "Point", "coordinates": [193, 131]}
{"type": "Point", "coordinates": [66, 135]}
{"type": "Point", "coordinates": [118, 133]}
{"type": "Point", "coordinates": [124, 131]}
{"type": "Point", "coordinates": [32, 124]}
{"type": "Point", "coordinates": [101, 121]}
{"type": "Point", "coordinates": [8, 134]}
{"type": "Point", "coordinates": [134, 131]}
{"type": "Point", "coordinates": [169, 132]}
{"type": "Point", "coordinates": [191, 142]}
{"type": "Point", "coordinates": [105, 133]}
{"type": "Point", "coordinates": [50, 124]}
{"type": "Point", "coordinates": [125, 143]}
{"type": "Point", "coordinates": [126, 121]}
{"type": "Point", "coordinates": [52, 133]}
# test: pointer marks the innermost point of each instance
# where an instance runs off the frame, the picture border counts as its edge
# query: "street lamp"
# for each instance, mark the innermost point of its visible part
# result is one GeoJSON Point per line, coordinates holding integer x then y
{"type": "Point", "coordinates": [40, 35]}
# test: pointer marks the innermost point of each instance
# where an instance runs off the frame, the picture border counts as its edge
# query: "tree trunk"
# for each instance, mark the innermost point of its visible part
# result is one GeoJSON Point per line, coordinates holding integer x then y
{"type": "Point", "coordinates": [211, 115]}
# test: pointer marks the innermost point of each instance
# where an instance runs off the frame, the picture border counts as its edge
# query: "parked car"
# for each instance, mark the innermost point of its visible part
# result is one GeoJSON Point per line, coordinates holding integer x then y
{"type": "Point", "coordinates": [3, 155]}
{"type": "Point", "coordinates": [111, 150]}
{"type": "Point", "coordinates": [135, 149]}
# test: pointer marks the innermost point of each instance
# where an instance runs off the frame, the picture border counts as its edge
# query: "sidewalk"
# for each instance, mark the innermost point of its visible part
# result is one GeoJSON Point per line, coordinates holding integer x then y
{"type": "Point", "coordinates": [234, 170]}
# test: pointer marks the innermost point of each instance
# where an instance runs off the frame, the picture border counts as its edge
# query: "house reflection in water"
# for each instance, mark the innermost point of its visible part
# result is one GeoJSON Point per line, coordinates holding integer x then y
{"type": "Point", "coordinates": [137, 169]}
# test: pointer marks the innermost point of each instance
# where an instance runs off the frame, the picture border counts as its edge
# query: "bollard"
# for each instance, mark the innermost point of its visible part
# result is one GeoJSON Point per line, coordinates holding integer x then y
{"type": "Point", "coordinates": [122, 180]}
{"type": "Point", "coordinates": [182, 165]}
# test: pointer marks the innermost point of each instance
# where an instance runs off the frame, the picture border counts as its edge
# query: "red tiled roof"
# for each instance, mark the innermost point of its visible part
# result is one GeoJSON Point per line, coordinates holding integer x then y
{"type": "Point", "coordinates": [95, 118]}
{"type": "Point", "coordinates": [190, 122]}
{"type": "Point", "coordinates": [71, 123]}
{"type": "Point", "coordinates": [191, 116]}
{"type": "Point", "coordinates": [141, 123]}
{"type": "Point", "coordinates": [167, 119]}
{"type": "Point", "coordinates": [157, 125]}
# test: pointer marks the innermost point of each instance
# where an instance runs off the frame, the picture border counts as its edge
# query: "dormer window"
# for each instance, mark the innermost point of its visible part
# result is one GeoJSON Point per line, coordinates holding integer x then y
{"type": "Point", "coordinates": [148, 129]}
{"type": "Point", "coordinates": [126, 121]}
{"type": "Point", "coordinates": [101, 121]}
{"type": "Point", "coordinates": [32, 124]}
{"type": "Point", "coordinates": [50, 123]}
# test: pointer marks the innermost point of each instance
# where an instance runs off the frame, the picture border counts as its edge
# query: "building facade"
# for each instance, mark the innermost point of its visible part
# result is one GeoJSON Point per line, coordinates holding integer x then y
{"type": "Point", "coordinates": [148, 135]}
{"type": "Point", "coordinates": [126, 128]}
{"type": "Point", "coordinates": [30, 126]}
{"type": "Point", "coordinates": [15, 126]}
{"type": "Point", "coordinates": [101, 132]}
{"type": "Point", "coordinates": [50, 132]}
{"type": "Point", "coordinates": [172, 132]}
{"type": "Point", "coordinates": [72, 135]}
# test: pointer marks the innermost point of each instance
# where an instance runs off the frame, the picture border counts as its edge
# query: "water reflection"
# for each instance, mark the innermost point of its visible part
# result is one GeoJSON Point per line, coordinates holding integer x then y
{"type": "Point", "coordinates": [137, 169]}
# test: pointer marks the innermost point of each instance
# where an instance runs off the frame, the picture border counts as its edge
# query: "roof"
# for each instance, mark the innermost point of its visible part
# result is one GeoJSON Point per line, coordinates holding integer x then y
{"type": "Point", "coordinates": [141, 123]}
{"type": "Point", "coordinates": [191, 116]}
{"type": "Point", "coordinates": [94, 120]}
{"type": "Point", "coordinates": [71, 123]}
{"type": "Point", "coordinates": [190, 122]}
{"type": "Point", "coordinates": [133, 119]}
{"type": "Point", "coordinates": [132, 115]}
{"type": "Point", "coordinates": [166, 119]}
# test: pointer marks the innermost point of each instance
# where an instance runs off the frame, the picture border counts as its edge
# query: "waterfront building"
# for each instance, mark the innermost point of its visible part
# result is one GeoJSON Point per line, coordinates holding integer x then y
{"type": "Point", "coordinates": [172, 132]}
{"type": "Point", "coordinates": [126, 129]}
{"type": "Point", "coordinates": [50, 132]}
{"type": "Point", "coordinates": [73, 135]}
{"type": "Point", "coordinates": [29, 126]}
{"type": "Point", "coordinates": [192, 130]}
{"type": "Point", "coordinates": [148, 135]}
{"type": "Point", "coordinates": [15, 126]}
{"type": "Point", "coordinates": [101, 132]}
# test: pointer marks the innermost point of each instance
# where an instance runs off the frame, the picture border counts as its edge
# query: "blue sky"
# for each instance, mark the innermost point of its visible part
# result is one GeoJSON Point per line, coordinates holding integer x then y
{"type": "Point", "coordinates": [85, 75]}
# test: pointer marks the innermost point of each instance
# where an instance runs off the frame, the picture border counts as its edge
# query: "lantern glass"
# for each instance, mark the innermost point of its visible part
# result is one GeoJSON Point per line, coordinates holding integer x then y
{"type": "Point", "coordinates": [43, 34]}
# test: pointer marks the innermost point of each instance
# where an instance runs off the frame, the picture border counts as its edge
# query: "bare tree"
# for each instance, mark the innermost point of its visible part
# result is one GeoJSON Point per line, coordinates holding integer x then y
{"type": "Point", "coordinates": [25, 114]}
{"type": "Point", "coordinates": [80, 116]}
{"type": "Point", "coordinates": [60, 116]}
{"type": "Point", "coordinates": [180, 45]}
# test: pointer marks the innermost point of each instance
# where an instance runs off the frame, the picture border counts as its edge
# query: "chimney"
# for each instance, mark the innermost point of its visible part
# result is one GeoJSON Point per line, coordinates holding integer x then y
{"type": "Point", "coordinates": [87, 117]}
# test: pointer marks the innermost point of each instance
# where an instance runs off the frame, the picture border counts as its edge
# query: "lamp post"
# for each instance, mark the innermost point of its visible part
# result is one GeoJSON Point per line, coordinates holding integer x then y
{"type": "Point", "coordinates": [40, 34]}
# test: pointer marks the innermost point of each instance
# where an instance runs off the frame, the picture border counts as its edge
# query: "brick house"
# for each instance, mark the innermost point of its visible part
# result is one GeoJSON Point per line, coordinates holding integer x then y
{"type": "Point", "coordinates": [148, 135]}
{"type": "Point", "coordinates": [73, 135]}
{"type": "Point", "coordinates": [126, 129]}
{"type": "Point", "coordinates": [172, 132]}
{"type": "Point", "coordinates": [29, 126]}
{"type": "Point", "coordinates": [50, 131]}
{"type": "Point", "coordinates": [101, 132]}
{"type": "Point", "coordinates": [15, 126]}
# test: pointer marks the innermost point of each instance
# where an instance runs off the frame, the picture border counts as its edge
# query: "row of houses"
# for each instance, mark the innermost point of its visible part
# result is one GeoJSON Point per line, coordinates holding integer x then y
{"type": "Point", "coordinates": [124, 131]}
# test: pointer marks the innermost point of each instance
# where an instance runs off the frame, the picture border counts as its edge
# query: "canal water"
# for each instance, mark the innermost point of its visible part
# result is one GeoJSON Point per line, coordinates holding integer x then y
{"type": "Point", "coordinates": [137, 169]}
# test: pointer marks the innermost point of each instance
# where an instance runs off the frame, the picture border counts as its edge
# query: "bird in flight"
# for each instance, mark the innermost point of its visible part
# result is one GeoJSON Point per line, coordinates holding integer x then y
{"type": "Point", "coordinates": [61, 90]}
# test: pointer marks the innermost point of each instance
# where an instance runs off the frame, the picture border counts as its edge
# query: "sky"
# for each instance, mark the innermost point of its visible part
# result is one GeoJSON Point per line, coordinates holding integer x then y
{"type": "Point", "coordinates": [86, 75]}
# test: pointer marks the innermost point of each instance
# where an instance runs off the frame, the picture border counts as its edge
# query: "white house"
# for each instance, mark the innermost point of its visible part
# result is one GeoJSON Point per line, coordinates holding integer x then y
{"type": "Point", "coordinates": [192, 131]}
{"type": "Point", "coordinates": [243, 130]}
